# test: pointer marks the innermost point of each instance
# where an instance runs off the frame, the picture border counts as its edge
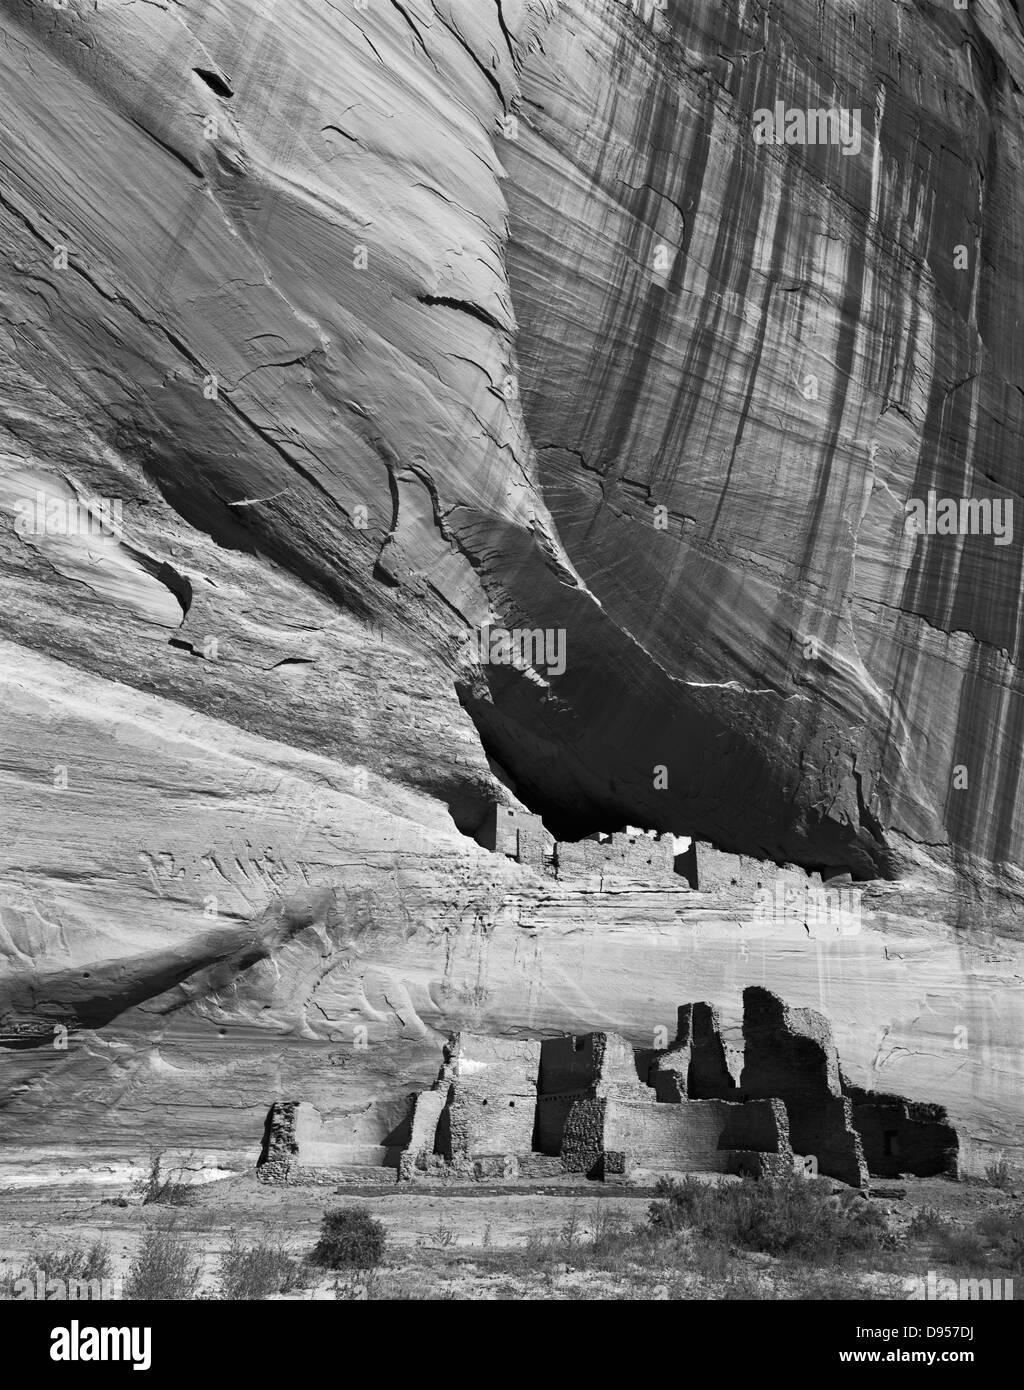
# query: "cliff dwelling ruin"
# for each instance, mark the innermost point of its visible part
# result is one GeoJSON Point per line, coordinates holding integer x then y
{"type": "Point", "coordinates": [592, 1105]}
{"type": "Point", "coordinates": [646, 857]}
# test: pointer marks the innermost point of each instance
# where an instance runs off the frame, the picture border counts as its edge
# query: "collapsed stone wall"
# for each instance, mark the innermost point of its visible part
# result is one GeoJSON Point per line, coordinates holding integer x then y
{"type": "Point", "coordinates": [602, 1062]}
{"type": "Point", "coordinates": [900, 1136]}
{"type": "Point", "coordinates": [738, 875]}
{"type": "Point", "coordinates": [502, 1107]}
{"type": "Point", "coordinates": [482, 1106]}
{"type": "Point", "coordinates": [279, 1145]}
{"type": "Point", "coordinates": [695, 1066]}
{"type": "Point", "coordinates": [789, 1053]}
{"type": "Point", "coordinates": [626, 856]}
{"type": "Point", "coordinates": [698, 1136]}
{"type": "Point", "coordinates": [300, 1147]}
{"type": "Point", "coordinates": [520, 835]}
{"type": "Point", "coordinates": [550, 1122]}
{"type": "Point", "coordinates": [423, 1130]}
{"type": "Point", "coordinates": [571, 1063]}
{"type": "Point", "coordinates": [517, 834]}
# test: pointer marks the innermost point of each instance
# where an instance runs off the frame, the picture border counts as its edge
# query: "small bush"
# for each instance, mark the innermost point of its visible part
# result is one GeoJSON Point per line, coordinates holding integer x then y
{"type": "Point", "coordinates": [999, 1175]}
{"type": "Point", "coordinates": [445, 1234]}
{"type": "Point", "coordinates": [155, 1188]}
{"type": "Point", "coordinates": [1004, 1233]}
{"type": "Point", "coordinates": [741, 1286]}
{"type": "Point", "coordinates": [256, 1271]}
{"type": "Point", "coordinates": [611, 1234]}
{"type": "Point", "coordinates": [78, 1262]}
{"type": "Point", "coordinates": [350, 1238]}
{"type": "Point", "coordinates": [925, 1222]}
{"type": "Point", "coordinates": [783, 1216]}
{"type": "Point", "coordinates": [961, 1248]}
{"type": "Point", "coordinates": [570, 1235]}
{"type": "Point", "coordinates": [75, 1265]}
{"type": "Point", "coordinates": [166, 1269]}
{"type": "Point", "coordinates": [831, 1285]}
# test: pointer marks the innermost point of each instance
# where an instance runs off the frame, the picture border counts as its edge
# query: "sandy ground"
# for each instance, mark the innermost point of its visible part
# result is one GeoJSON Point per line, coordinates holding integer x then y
{"type": "Point", "coordinates": [441, 1243]}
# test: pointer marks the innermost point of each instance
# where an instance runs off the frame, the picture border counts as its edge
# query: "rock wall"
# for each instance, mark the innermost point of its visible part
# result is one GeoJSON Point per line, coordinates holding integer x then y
{"type": "Point", "coordinates": [638, 857]}
{"type": "Point", "coordinates": [365, 362]}
{"type": "Point", "coordinates": [700, 1137]}
{"type": "Point", "coordinates": [899, 1136]}
{"type": "Point", "coordinates": [790, 1054]}
{"type": "Point", "coordinates": [739, 361]}
{"type": "Point", "coordinates": [695, 1067]}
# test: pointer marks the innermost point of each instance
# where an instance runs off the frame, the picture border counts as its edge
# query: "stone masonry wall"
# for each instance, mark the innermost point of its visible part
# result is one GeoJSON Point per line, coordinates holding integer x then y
{"type": "Point", "coordinates": [583, 1137]}
{"type": "Point", "coordinates": [625, 856]}
{"type": "Point", "coordinates": [694, 1136]}
{"type": "Point", "coordinates": [899, 1136]}
{"type": "Point", "coordinates": [790, 1054]}
{"type": "Point", "coordinates": [740, 876]}
{"type": "Point", "coordinates": [279, 1146]}
{"type": "Point", "coordinates": [695, 1066]}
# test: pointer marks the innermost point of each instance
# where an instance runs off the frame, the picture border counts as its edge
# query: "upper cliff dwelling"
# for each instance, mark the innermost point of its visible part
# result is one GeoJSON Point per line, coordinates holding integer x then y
{"type": "Point", "coordinates": [638, 856]}
{"type": "Point", "coordinates": [595, 1106]}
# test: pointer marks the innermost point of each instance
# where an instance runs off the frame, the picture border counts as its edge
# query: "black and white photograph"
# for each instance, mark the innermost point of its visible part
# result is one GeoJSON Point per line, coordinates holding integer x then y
{"type": "Point", "coordinates": [511, 688]}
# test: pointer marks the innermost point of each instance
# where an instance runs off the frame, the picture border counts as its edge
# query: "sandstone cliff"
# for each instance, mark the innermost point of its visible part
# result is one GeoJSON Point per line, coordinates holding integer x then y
{"type": "Point", "coordinates": [378, 322]}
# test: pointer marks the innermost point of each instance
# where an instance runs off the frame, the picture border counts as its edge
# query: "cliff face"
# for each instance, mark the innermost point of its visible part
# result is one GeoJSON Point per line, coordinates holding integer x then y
{"type": "Point", "coordinates": [379, 323]}
{"type": "Point", "coordinates": [778, 346]}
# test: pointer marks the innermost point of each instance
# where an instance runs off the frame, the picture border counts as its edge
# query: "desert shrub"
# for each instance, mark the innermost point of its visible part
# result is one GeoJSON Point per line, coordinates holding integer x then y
{"type": "Point", "coordinates": [611, 1234]}
{"type": "Point", "coordinates": [251, 1272]}
{"type": "Point", "coordinates": [156, 1188]}
{"type": "Point", "coordinates": [616, 1243]}
{"type": "Point", "coordinates": [349, 1238]}
{"type": "Point", "coordinates": [75, 1265]}
{"type": "Point", "coordinates": [571, 1234]}
{"type": "Point", "coordinates": [445, 1233]}
{"type": "Point", "coordinates": [165, 1269]}
{"type": "Point", "coordinates": [78, 1262]}
{"type": "Point", "coordinates": [836, 1284]}
{"type": "Point", "coordinates": [541, 1250]}
{"type": "Point", "coordinates": [711, 1261]}
{"type": "Point", "coordinates": [1003, 1235]}
{"type": "Point", "coordinates": [999, 1175]}
{"type": "Point", "coordinates": [925, 1222]}
{"type": "Point", "coordinates": [961, 1248]}
{"type": "Point", "coordinates": [781, 1216]}
{"type": "Point", "coordinates": [740, 1286]}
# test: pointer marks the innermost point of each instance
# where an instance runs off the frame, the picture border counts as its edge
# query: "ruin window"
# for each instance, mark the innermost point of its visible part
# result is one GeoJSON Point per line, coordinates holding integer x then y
{"type": "Point", "coordinates": [511, 1105]}
{"type": "Point", "coordinates": [891, 1141]}
{"type": "Point", "coordinates": [579, 1044]}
